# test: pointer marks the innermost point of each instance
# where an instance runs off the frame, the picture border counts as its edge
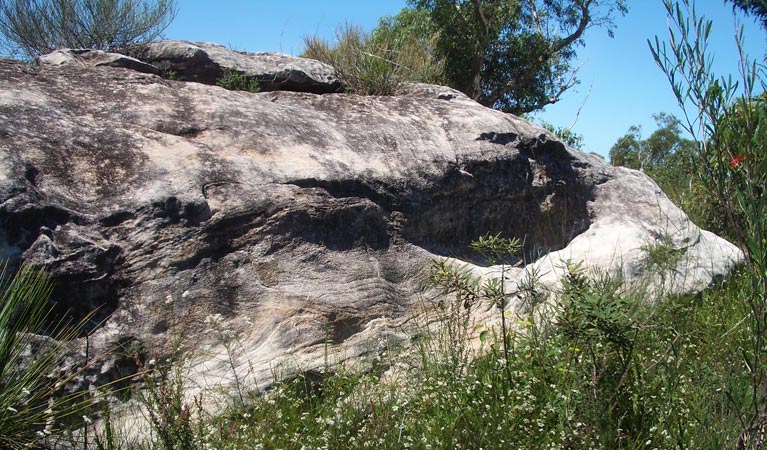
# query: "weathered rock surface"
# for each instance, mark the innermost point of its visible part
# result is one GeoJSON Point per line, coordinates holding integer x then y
{"type": "Point", "coordinates": [205, 62]}
{"type": "Point", "coordinates": [95, 58]}
{"type": "Point", "coordinates": [302, 225]}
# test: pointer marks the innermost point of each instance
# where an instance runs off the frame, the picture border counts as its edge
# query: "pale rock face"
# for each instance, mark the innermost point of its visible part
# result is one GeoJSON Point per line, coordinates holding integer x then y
{"type": "Point", "coordinates": [298, 226]}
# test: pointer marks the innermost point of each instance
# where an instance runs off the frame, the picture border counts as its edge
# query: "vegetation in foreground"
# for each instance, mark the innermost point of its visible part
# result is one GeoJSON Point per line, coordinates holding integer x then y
{"type": "Point", "coordinates": [608, 371]}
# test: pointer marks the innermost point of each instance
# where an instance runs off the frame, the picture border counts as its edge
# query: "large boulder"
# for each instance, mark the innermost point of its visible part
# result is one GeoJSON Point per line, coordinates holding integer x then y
{"type": "Point", "coordinates": [205, 62]}
{"type": "Point", "coordinates": [301, 225]}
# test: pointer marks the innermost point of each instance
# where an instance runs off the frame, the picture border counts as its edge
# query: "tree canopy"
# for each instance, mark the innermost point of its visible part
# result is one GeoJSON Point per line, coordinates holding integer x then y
{"type": "Point", "coordinates": [654, 152]}
{"type": "Point", "coordinates": [515, 56]}
{"type": "Point", "coordinates": [34, 27]}
{"type": "Point", "coordinates": [754, 7]}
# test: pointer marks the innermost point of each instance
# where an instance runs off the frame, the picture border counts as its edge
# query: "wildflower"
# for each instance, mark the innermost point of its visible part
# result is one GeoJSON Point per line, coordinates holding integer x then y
{"type": "Point", "coordinates": [736, 161]}
{"type": "Point", "coordinates": [12, 409]}
{"type": "Point", "coordinates": [87, 420]}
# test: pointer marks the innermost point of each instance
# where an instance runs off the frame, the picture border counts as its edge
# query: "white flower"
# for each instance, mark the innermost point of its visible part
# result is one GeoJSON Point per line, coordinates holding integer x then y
{"type": "Point", "coordinates": [87, 420]}
{"type": "Point", "coordinates": [12, 409]}
{"type": "Point", "coordinates": [169, 300]}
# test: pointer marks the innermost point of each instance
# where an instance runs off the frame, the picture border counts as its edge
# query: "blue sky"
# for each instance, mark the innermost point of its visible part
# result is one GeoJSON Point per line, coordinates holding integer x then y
{"type": "Point", "coordinates": [620, 84]}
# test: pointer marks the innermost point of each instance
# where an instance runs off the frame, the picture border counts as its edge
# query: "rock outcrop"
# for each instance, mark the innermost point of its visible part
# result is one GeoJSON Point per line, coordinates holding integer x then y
{"type": "Point", "coordinates": [95, 58]}
{"type": "Point", "coordinates": [300, 224]}
{"type": "Point", "coordinates": [205, 62]}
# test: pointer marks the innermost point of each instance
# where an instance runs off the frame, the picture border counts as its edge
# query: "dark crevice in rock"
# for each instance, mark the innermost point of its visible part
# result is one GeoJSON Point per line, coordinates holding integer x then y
{"type": "Point", "coordinates": [180, 129]}
{"type": "Point", "coordinates": [116, 218]}
{"type": "Point", "coordinates": [23, 227]}
{"type": "Point", "coordinates": [498, 138]}
{"type": "Point", "coordinates": [344, 224]}
{"type": "Point", "coordinates": [80, 299]}
{"type": "Point", "coordinates": [352, 188]}
{"type": "Point", "coordinates": [30, 174]}
{"type": "Point", "coordinates": [175, 211]}
{"type": "Point", "coordinates": [535, 196]}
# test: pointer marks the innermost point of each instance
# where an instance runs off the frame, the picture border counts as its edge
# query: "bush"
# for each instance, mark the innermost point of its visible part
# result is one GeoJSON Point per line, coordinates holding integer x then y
{"type": "Point", "coordinates": [376, 64]}
{"type": "Point", "coordinates": [236, 81]}
{"type": "Point", "coordinates": [33, 28]}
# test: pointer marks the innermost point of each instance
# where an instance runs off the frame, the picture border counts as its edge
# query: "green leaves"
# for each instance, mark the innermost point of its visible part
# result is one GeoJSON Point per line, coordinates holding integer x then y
{"type": "Point", "coordinates": [234, 80]}
{"type": "Point", "coordinates": [38, 27]}
{"type": "Point", "coordinates": [495, 249]}
{"type": "Point", "coordinates": [510, 55]}
{"type": "Point", "coordinates": [29, 400]}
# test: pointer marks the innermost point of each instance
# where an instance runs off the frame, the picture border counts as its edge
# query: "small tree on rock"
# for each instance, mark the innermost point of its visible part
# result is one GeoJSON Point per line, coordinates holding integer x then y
{"type": "Point", "coordinates": [30, 28]}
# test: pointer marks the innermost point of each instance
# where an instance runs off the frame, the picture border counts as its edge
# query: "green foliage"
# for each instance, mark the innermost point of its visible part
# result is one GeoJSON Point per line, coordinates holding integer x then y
{"type": "Point", "coordinates": [728, 120]}
{"type": "Point", "coordinates": [30, 397]}
{"type": "Point", "coordinates": [234, 80]}
{"type": "Point", "coordinates": [662, 256]}
{"type": "Point", "coordinates": [513, 56]}
{"type": "Point", "coordinates": [33, 28]}
{"type": "Point", "coordinates": [754, 7]}
{"type": "Point", "coordinates": [565, 135]}
{"type": "Point", "coordinates": [379, 63]}
{"type": "Point", "coordinates": [654, 152]}
{"type": "Point", "coordinates": [670, 159]}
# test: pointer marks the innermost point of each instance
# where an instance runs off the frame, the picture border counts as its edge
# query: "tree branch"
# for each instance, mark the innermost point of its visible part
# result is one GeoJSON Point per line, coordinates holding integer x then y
{"type": "Point", "coordinates": [582, 25]}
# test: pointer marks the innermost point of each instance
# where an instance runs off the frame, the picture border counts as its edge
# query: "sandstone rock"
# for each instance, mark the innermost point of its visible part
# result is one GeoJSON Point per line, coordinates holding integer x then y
{"type": "Point", "coordinates": [297, 227]}
{"type": "Point", "coordinates": [95, 58]}
{"type": "Point", "coordinates": [205, 63]}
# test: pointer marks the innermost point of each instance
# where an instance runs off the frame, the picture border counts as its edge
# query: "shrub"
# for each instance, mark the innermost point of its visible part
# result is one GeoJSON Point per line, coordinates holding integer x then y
{"type": "Point", "coordinates": [728, 120]}
{"type": "Point", "coordinates": [237, 81]}
{"type": "Point", "coordinates": [376, 64]}
{"type": "Point", "coordinates": [36, 27]}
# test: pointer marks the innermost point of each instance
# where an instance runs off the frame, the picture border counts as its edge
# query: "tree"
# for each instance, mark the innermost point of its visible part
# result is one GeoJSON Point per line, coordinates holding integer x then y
{"type": "Point", "coordinates": [514, 55]}
{"type": "Point", "coordinates": [34, 27]}
{"type": "Point", "coordinates": [627, 150]}
{"type": "Point", "coordinates": [669, 159]}
{"type": "Point", "coordinates": [654, 152]}
{"type": "Point", "coordinates": [753, 7]}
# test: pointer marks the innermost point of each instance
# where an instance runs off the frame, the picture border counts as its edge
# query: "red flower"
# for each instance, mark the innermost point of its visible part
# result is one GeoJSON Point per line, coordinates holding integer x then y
{"type": "Point", "coordinates": [735, 161]}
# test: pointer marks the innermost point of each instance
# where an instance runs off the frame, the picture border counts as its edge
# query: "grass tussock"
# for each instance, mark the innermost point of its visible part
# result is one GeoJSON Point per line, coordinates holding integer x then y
{"type": "Point", "coordinates": [376, 64]}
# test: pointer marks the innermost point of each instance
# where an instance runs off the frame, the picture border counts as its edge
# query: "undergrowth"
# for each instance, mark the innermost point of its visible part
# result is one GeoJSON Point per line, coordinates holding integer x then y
{"type": "Point", "coordinates": [612, 371]}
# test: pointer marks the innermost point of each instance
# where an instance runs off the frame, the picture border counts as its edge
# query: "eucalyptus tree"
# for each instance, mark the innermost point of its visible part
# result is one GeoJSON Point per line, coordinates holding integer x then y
{"type": "Point", "coordinates": [514, 55]}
